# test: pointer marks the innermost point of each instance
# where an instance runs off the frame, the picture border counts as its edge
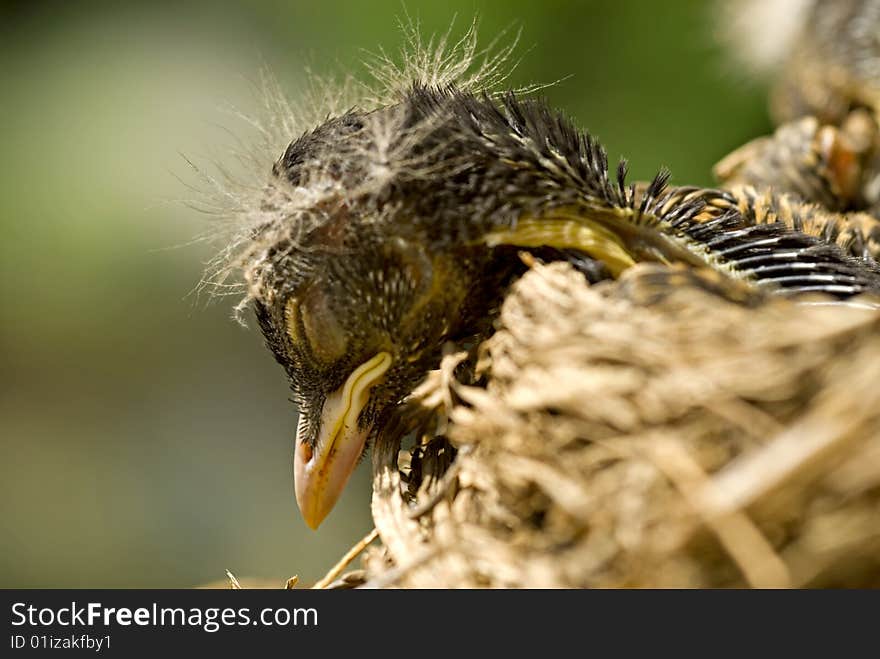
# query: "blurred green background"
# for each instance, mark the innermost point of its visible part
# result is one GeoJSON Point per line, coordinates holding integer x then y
{"type": "Point", "coordinates": [147, 437]}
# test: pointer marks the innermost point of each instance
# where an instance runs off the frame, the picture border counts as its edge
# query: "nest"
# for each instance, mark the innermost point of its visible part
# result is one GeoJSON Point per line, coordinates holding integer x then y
{"type": "Point", "coordinates": [637, 435]}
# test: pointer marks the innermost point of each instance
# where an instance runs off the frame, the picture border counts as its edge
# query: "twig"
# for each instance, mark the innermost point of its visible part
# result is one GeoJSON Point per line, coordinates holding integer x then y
{"type": "Point", "coordinates": [392, 576]}
{"type": "Point", "coordinates": [739, 535]}
{"type": "Point", "coordinates": [233, 582]}
{"type": "Point", "coordinates": [350, 555]}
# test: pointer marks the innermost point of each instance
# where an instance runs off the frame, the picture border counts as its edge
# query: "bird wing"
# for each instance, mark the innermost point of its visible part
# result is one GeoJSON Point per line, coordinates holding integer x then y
{"type": "Point", "coordinates": [703, 228]}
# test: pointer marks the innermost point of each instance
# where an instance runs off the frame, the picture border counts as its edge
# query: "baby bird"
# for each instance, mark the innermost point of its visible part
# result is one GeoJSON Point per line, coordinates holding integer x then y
{"type": "Point", "coordinates": [824, 158]}
{"type": "Point", "coordinates": [833, 61]}
{"type": "Point", "coordinates": [391, 231]}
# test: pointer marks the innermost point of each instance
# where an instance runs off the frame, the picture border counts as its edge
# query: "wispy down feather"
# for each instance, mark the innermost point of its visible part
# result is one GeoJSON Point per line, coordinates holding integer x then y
{"type": "Point", "coordinates": [249, 206]}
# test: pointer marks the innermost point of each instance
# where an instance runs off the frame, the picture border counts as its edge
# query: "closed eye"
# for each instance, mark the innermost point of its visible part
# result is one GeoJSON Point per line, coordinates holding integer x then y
{"type": "Point", "coordinates": [313, 325]}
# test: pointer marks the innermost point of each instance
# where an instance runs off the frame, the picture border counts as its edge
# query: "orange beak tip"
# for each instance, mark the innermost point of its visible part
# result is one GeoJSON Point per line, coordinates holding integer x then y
{"type": "Point", "coordinates": [324, 464]}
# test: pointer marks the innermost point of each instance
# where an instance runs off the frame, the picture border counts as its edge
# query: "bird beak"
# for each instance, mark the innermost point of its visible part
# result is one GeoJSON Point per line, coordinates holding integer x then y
{"type": "Point", "coordinates": [321, 473]}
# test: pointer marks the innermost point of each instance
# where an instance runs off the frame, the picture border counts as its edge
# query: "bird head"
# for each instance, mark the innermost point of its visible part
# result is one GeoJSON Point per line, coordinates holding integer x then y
{"type": "Point", "coordinates": [354, 340]}
{"type": "Point", "coordinates": [353, 297]}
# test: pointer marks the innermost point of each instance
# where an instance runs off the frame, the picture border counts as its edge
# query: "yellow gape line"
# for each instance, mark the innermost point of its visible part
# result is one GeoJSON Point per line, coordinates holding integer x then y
{"type": "Point", "coordinates": [356, 393]}
{"type": "Point", "coordinates": [323, 466]}
{"type": "Point", "coordinates": [567, 232]}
